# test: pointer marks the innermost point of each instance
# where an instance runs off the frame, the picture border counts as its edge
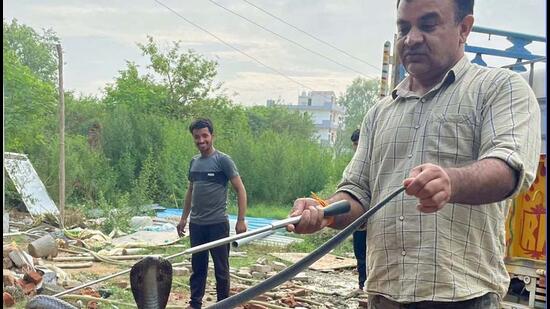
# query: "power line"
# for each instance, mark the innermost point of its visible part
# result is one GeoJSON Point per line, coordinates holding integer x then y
{"type": "Point", "coordinates": [233, 47]}
{"type": "Point", "coordinates": [311, 35]}
{"type": "Point", "coordinates": [289, 40]}
{"type": "Point", "coordinates": [237, 49]}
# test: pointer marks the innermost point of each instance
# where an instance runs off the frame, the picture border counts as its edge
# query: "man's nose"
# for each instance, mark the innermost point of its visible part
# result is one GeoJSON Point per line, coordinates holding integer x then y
{"type": "Point", "coordinates": [414, 37]}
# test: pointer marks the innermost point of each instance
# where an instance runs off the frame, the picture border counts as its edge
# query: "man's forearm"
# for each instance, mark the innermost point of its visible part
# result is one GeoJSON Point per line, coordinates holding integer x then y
{"type": "Point", "coordinates": [186, 206]}
{"type": "Point", "coordinates": [343, 220]}
{"type": "Point", "coordinates": [486, 181]}
{"type": "Point", "coordinates": [241, 202]}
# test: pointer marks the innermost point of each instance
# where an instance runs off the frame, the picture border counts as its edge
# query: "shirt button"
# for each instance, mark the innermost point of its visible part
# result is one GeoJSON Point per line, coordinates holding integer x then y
{"type": "Point", "coordinates": [410, 156]}
{"type": "Point", "coordinates": [403, 253]}
{"type": "Point", "coordinates": [423, 100]}
{"type": "Point", "coordinates": [401, 218]}
{"type": "Point", "coordinates": [416, 127]}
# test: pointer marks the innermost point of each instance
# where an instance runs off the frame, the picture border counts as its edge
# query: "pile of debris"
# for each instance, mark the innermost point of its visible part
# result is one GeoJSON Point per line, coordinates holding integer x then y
{"type": "Point", "coordinates": [27, 272]}
{"type": "Point", "coordinates": [42, 258]}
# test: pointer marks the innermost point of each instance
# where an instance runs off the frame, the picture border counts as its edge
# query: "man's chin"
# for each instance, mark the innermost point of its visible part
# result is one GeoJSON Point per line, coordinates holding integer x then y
{"type": "Point", "coordinates": [417, 69]}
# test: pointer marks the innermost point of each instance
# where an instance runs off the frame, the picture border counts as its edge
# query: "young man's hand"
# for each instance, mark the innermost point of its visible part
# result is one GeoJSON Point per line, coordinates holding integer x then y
{"type": "Point", "coordinates": [240, 227]}
{"type": "Point", "coordinates": [181, 227]}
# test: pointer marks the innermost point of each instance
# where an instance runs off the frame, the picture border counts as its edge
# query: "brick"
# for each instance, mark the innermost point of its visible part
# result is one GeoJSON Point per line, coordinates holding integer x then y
{"type": "Point", "coordinates": [33, 276]}
{"type": "Point", "coordinates": [29, 288]}
{"type": "Point", "coordinates": [7, 299]}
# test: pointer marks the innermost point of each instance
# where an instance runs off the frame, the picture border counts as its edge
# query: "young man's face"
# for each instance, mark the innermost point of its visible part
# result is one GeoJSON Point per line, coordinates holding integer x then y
{"type": "Point", "coordinates": [203, 140]}
{"type": "Point", "coordinates": [429, 38]}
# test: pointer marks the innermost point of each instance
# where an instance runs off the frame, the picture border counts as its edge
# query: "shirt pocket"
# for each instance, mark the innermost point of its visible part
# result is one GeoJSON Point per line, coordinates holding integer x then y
{"type": "Point", "coordinates": [449, 139]}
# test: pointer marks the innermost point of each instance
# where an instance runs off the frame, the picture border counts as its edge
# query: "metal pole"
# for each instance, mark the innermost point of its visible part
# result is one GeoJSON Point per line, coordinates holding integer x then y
{"type": "Point", "coordinates": [61, 139]}
{"type": "Point", "coordinates": [239, 242]}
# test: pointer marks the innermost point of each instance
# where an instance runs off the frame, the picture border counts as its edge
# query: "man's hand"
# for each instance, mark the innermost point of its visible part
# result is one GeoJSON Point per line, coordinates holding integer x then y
{"type": "Point", "coordinates": [181, 227]}
{"type": "Point", "coordinates": [240, 227]}
{"type": "Point", "coordinates": [431, 184]}
{"type": "Point", "coordinates": [312, 217]}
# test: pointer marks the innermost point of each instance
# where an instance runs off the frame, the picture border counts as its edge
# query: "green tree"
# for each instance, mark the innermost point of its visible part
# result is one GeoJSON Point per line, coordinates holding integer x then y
{"type": "Point", "coordinates": [280, 119]}
{"type": "Point", "coordinates": [35, 51]}
{"type": "Point", "coordinates": [186, 76]}
{"type": "Point", "coordinates": [29, 94]}
{"type": "Point", "coordinates": [140, 93]}
{"type": "Point", "coordinates": [359, 97]}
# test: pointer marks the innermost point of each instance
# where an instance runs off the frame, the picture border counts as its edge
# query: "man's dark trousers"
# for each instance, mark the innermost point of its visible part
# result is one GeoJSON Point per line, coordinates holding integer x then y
{"type": "Point", "coordinates": [360, 251]}
{"type": "Point", "coordinates": [201, 234]}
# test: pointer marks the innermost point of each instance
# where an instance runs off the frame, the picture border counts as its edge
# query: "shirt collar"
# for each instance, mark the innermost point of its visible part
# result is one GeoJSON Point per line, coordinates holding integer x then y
{"type": "Point", "coordinates": [456, 72]}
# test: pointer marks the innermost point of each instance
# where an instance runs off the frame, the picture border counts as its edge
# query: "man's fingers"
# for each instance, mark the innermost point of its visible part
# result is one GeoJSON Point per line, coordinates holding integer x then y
{"type": "Point", "coordinates": [311, 221]}
{"type": "Point", "coordinates": [426, 209]}
{"type": "Point", "coordinates": [415, 171]}
{"type": "Point", "coordinates": [434, 202]}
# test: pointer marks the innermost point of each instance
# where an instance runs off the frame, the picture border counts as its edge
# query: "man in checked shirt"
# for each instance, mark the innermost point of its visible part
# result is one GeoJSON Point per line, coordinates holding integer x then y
{"type": "Point", "coordinates": [463, 139]}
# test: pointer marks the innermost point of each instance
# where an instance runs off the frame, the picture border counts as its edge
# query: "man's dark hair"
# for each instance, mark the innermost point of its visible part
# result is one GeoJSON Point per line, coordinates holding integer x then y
{"type": "Point", "coordinates": [462, 8]}
{"type": "Point", "coordinates": [200, 124]}
{"type": "Point", "coordinates": [355, 135]}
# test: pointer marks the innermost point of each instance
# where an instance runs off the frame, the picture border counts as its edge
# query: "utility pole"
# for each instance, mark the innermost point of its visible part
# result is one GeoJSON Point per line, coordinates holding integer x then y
{"type": "Point", "coordinates": [61, 139]}
{"type": "Point", "coordinates": [5, 215]}
{"type": "Point", "coordinates": [385, 69]}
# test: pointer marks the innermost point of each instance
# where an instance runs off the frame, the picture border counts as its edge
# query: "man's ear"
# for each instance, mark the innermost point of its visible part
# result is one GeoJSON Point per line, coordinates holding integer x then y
{"type": "Point", "coordinates": [465, 28]}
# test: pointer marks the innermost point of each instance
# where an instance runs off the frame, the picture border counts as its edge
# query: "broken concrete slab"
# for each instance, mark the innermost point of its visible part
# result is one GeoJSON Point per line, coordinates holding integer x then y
{"type": "Point", "coordinates": [301, 277]}
{"type": "Point", "coordinates": [261, 268]}
{"type": "Point", "coordinates": [21, 258]}
{"type": "Point", "coordinates": [180, 271]}
{"type": "Point", "coordinates": [278, 266]}
{"type": "Point", "coordinates": [43, 247]}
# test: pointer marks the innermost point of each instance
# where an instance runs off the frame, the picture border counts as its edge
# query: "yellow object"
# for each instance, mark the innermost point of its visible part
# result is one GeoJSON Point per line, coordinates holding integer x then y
{"type": "Point", "coordinates": [526, 222]}
{"type": "Point", "coordinates": [323, 204]}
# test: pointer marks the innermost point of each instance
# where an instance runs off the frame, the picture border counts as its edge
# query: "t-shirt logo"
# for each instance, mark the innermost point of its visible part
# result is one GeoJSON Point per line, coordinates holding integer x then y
{"type": "Point", "coordinates": [211, 174]}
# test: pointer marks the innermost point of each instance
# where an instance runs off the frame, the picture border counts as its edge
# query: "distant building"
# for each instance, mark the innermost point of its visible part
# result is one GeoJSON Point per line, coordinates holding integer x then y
{"type": "Point", "coordinates": [326, 114]}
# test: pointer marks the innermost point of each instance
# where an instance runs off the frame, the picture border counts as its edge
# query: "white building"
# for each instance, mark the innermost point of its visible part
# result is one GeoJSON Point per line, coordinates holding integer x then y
{"type": "Point", "coordinates": [326, 114]}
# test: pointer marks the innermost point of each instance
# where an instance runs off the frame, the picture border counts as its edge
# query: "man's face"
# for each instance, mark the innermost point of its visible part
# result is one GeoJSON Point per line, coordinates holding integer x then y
{"type": "Point", "coordinates": [429, 39]}
{"type": "Point", "coordinates": [203, 140]}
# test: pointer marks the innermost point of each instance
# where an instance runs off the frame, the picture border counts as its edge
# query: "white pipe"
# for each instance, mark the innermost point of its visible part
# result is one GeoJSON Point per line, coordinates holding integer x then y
{"type": "Point", "coordinates": [243, 241]}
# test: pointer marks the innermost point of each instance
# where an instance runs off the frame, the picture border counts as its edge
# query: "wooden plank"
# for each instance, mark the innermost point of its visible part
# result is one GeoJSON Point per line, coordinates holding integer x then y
{"type": "Point", "coordinates": [327, 262]}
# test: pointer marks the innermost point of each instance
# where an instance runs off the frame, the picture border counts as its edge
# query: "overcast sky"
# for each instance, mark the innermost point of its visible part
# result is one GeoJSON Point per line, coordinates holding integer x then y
{"type": "Point", "coordinates": [98, 37]}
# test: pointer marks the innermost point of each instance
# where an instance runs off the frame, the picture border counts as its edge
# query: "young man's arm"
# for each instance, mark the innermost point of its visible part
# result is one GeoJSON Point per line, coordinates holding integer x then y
{"type": "Point", "coordinates": [186, 210]}
{"type": "Point", "coordinates": [238, 185]}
